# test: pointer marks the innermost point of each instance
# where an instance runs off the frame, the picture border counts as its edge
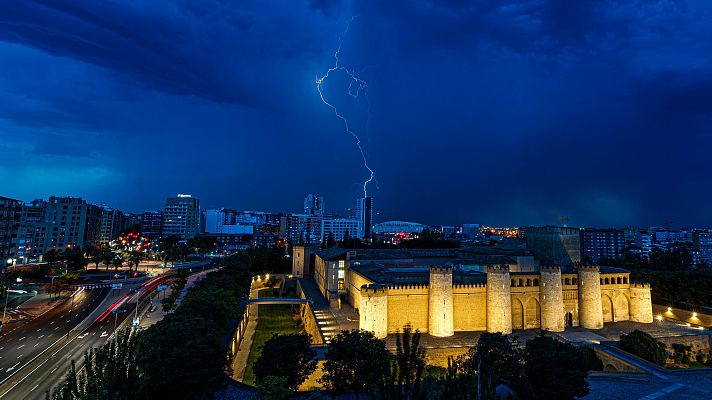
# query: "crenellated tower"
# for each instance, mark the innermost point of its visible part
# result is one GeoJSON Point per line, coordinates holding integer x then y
{"type": "Point", "coordinates": [499, 299]}
{"type": "Point", "coordinates": [551, 298]}
{"type": "Point", "coordinates": [374, 310]}
{"type": "Point", "coordinates": [589, 299]}
{"type": "Point", "coordinates": [641, 306]}
{"type": "Point", "coordinates": [440, 307]}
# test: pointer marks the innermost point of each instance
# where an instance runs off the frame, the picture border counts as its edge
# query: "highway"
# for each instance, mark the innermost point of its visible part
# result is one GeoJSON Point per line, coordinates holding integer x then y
{"type": "Point", "coordinates": [47, 371]}
{"type": "Point", "coordinates": [27, 339]}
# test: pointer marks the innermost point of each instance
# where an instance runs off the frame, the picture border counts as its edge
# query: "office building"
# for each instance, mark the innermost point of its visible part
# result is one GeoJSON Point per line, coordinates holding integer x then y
{"type": "Point", "coordinates": [181, 216]}
{"type": "Point", "coordinates": [151, 224]}
{"type": "Point", "coordinates": [226, 221]}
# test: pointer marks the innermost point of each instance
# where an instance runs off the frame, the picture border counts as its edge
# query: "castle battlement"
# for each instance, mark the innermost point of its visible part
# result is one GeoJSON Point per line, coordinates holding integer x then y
{"type": "Point", "coordinates": [550, 268]}
{"type": "Point", "coordinates": [590, 268]}
{"type": "Point", "coordinates": [640, 285]}
{"type": "Point", "coordinates": [405, 286]}
{"type": "Point", "coordinates": [374, 289]}
{"type": "Point", "coordinates": [441, 269]}
{"type": "Point", "coordinates": [498, 268]}
{"type": "Point", "coordinates": [469, 285]}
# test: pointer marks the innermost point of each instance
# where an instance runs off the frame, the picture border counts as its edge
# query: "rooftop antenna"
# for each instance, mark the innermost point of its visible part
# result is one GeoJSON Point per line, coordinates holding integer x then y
{"type": "Point", "coordinates": [667, 224]}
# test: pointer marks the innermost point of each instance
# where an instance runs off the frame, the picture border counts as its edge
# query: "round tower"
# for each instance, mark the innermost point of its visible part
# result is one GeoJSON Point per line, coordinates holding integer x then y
{"type": "Point", "coordinates": [551, 298]}
{"type": "Point", "coordinates": [499, 300]}
{"type": "Point", "coordinates": [641, 306]}
{"type": "Point", "coordinates": [373, 310]}
{"type": "Point", "coordinates": [589, 298]}
{"type": "Point", "coordinates": [440, 312]}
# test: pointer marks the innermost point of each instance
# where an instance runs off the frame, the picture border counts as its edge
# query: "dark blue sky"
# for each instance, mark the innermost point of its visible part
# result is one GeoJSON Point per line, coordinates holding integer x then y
{"type": "Point", "coordinates": [498, 112]}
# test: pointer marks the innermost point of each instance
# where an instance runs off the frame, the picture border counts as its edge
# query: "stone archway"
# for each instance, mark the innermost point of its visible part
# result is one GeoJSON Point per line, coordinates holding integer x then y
{"type": "Point", "coordinates": [607, 308]}
{"type": "Point", "coordinates": [622, 308]}
{"type": "Point", "coordinates": [569, 319]}
{"type": "Point", "coordinates": [517, 314]}
{"type": "Point", "coordinates": [532, 314]}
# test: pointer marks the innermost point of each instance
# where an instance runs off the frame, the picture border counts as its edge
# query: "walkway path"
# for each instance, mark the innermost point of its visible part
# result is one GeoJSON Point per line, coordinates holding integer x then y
{"type": "Point", "coordinates": [239, 363]}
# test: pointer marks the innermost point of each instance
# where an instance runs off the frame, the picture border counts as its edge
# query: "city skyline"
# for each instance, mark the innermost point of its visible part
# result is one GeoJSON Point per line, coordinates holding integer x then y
{"type": "Point", "coordinates": [507, 116]}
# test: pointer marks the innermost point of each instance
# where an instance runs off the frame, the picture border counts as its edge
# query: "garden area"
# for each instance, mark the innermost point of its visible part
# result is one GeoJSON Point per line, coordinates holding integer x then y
{"type": "Point", "coordinates": [273, 318]}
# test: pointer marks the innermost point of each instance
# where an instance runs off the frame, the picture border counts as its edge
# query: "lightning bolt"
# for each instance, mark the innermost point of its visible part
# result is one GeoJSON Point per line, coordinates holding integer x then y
{"type": "Point", "coordinates": [356, 88]}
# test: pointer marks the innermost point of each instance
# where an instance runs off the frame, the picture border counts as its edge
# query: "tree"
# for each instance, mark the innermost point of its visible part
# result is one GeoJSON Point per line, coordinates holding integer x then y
{"type": "Point", "coordinates": [117, 261]}
{"type": "Point", "coordinates": [409, 362]}
{"type": "Point", "coordinates": [494, 361]}
{"type": "Point", "coordinates": [545, 358]}
{"type": "Point", "coordinates": [75, 258]}
{"type": "Point", "coordinates": [289, 356]}
{"type": "Point", "coordinates": [108, 372]}
{"type": "Point", "coordinates": [182, 357]}
{"type": "Point", "coordinates": [274, 388]}
{"type": "Point", "coordinates": [356, 361]}
{"type": "Point", "coordinates": [594, 363]}
{"type": "Point", "coordinates": [644, 346]}
{"type": "Point", "coordinates": [53, 257]}
{"type": "Point", "coordinates": [135, 258]}
{"type": "Point", "coordinates": [330, 241]}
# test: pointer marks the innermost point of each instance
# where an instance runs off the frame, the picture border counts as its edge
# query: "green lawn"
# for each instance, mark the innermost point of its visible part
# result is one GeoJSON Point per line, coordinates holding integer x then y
{"type": "Point", "coordinates": [272, 318]}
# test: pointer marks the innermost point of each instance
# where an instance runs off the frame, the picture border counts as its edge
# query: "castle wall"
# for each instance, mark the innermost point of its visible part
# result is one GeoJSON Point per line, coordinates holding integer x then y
{"type": "Point", "coordinates": [469, 307]}
{"type": "Point", "coordinates": [408, 304]}
{"type": "Point", "coordinates": [548, 300]}
{"type": "Point", "coordinates": [353, 290]}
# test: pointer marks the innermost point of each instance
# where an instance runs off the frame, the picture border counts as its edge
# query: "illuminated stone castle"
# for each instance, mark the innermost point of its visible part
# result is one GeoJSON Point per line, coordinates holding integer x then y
{"type": "Point", "coordinates": [548, 300]}
{"type": "Point", "coordinates": [445, 299]}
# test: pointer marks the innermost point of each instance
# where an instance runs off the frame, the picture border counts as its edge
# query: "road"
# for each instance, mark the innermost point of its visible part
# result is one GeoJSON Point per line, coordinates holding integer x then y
{"type": "Point", "coordinates": [27, 339]}
{"type": "Point", "coordinates": [50, 369]}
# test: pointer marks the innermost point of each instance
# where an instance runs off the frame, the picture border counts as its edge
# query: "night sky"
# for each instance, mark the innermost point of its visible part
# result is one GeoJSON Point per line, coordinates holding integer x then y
{"type": "Point", "coordinates": [493, 112]}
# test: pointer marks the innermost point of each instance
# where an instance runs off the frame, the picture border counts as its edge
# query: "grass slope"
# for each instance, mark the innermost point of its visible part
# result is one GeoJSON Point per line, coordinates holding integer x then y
{"type": "Point", "coordinates": [271, 318]}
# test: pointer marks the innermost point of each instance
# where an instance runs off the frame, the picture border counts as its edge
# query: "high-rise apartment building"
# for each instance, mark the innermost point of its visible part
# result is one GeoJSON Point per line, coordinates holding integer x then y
{"type": "Point", "coordinates": [10, 210]}
{"type": "Point", "coordinates": [338, 228]}
{"type": "Point", "coordinates": [364, 214]}
{"type": "Point", "coordinates": [31, 234]}
{"type": "Point", "coordinates": [181, 216]}
{"type": "Point", "coordinates": [314, 204]}
{"type": "Point", "coordinates": [301, 228]}
{"type": "Point", "coordinates": [69, 222]}
{"type": "Point", "coordinates": [703, 240]}
{"type": "Point", "coordinates": [113, 222]}
{"type": "Point", "coordinates": [601, 243]}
